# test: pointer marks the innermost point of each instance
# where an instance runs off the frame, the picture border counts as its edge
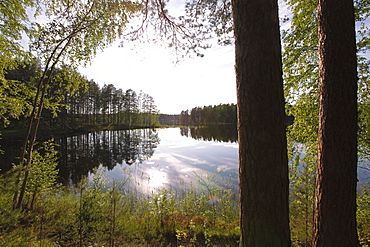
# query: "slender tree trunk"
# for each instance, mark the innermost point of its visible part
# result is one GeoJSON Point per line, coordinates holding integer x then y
{"type": "Point", "coordinates": [32, 140]}
{"type": "Point", "coordinates": [335, 209]}
{"type": "Point", "coordinates": [263, 165]}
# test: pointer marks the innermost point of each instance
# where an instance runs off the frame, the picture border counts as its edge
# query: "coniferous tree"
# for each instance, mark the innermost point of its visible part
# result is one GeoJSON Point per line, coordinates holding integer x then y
{"type": "Point", "coordinates": [335, 209]}
{"type": "Point", "coordinates": [131, 107]}
{"type": "Point", "coordinates": [263, 163]}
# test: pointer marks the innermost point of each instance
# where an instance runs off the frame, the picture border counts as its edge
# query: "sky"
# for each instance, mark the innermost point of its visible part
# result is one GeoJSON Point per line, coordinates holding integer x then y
{"type": "Point", "coordinates": [199, 81]}
{"type": "Point", "coordinates": [191, 82]}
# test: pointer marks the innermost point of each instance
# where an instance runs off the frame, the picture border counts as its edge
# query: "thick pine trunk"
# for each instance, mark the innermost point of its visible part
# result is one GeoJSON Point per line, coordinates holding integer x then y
{"type": "Point", "coordinates": [263, 165]}
{"type": "Point", "coordinates": [335, 210]}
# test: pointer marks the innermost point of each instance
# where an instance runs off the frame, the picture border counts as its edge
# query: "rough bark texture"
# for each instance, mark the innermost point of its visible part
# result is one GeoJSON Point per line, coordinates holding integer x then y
{"type": "Point", "coordinates": [335, 210]}
{"type": "Point", "coordinates": [263, 166]}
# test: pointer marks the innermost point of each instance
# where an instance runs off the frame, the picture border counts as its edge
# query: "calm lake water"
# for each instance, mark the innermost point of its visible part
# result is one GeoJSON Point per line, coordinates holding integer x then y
{"type": "Point", "coordinates": [168, 158]}
{"type": "Point", "coordinates": [148, 160]}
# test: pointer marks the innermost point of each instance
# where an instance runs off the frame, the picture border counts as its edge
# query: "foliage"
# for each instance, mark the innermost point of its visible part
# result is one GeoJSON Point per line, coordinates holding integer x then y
{"type": "Point", "coordinates": [300, 66]}
{"type": "Point", "coordinates": [364, 109]}
{"type": "Point", "coordinates": [363, 215]}
{"type": "Point", "coordinates": [44, 173]}
{"type": "Point", "coordinates": [13, 24]}
{"type": "Point", "coordinates": [94, 214]}
{"type": "Point", "coordinates": [300, 60]}
{"type": "Point", "coordinates": [91, 214]}
{"type": "Point", "coordinates": [210, 18]}
{"type": "Point", "coordinates": [43, 177]}
{"type": "Point", "coordinates": [76, 30]}
{"type": "Point", "coordinates": [17, 90]}
{"type": "Point", "coordinates": [302, 190]}
{"type": "Point", "coordinates": [65, 83]}
{"type": "Point", "coordinates": [72, 34]}
{"type": "Point", "coordinates": [13, 101]}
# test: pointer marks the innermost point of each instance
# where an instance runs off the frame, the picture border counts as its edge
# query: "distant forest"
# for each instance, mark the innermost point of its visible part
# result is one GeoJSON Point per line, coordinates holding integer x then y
{"type": "Point", "coordinates": [90, 106]}
{"type": "Point", "coordinates": [107, 107]}
{"type": "Point", "coordinates": [110, 107]}
{"type": "Point", "coordinates": [217, 114]}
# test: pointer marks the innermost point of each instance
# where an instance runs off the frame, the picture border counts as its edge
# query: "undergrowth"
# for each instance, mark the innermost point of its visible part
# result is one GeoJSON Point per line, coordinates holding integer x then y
{"type": "Point", "coordinates": [90, 214]}
{"type": "Point", "coordinates": [95, 214]}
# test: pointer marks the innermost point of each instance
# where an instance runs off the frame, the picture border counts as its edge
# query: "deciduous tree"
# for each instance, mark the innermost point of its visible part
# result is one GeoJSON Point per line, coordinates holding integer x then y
{"type": "Point", "coordinates": [74, 32]}
{"type": "Point", "coordinates": [13, 24]}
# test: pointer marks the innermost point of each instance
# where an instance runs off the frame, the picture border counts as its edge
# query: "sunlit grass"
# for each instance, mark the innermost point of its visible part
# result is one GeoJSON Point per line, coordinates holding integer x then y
{"type": "Point", "coordinates": [91, 214]}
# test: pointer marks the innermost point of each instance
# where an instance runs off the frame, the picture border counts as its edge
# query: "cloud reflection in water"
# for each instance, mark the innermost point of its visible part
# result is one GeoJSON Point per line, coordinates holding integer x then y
{"type": "Point", "coordinates": [178, 161]}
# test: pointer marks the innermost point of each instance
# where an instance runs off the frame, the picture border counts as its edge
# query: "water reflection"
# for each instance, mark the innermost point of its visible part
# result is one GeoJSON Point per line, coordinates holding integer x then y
{"type": "Point", "coordinates": [224, 133]}
{"type": "Point", "coordinates": [150, 159]}
{"type": "Point", "coordinates": [9, 151]}
{"type": "Point", "coordinates": [180, 163]}
{"type": "Point", "coordinates": [79, 155]}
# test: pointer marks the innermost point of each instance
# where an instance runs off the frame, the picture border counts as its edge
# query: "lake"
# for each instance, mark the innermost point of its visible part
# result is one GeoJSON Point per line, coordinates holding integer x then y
{"type": "Point", "coordinates": [148, 160]}
{"type": "Point", "coordinates": [152, 159]}
{"type": "Point", "coordinates": [169, 158]}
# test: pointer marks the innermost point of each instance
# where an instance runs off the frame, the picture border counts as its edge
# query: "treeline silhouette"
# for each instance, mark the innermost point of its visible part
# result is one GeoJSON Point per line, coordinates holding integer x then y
{"type": "Point", "coordinates": [218, 114]}
{"type": "Point", "coordinates": [109, 106]}
{"type": "Point", "coordinates": [106, 106]}
{"type": "Point", "coordinates": [206, 115]}
{"type": "Point", "coordinates": [91, 105]}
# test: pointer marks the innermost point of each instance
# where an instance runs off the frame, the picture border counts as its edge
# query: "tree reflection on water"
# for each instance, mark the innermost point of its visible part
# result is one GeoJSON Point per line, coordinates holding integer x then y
{"type": "Point", "coordinates": [151, 158]}
{"type": "Point", "coordinates": [223, 133]}
{"type": "Point", "coordinates": [79, 155]}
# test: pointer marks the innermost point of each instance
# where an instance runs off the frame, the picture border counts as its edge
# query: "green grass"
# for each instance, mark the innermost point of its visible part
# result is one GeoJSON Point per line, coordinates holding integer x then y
{"type": "Point", "coordinates": [89, 214]}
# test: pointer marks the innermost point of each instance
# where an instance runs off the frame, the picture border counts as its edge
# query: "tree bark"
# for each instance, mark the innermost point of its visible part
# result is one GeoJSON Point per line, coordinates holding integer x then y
{"type": "Point", "coordinates": [263, 165]}
{"type": "Point", "coordinates": [335, 208]}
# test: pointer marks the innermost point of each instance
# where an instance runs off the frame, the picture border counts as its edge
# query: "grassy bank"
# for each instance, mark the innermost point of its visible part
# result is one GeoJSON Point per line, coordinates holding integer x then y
{"type": "Point", "coordinates": [92, 215]}
{"type": "Point", "coordinates": [98, 212]}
